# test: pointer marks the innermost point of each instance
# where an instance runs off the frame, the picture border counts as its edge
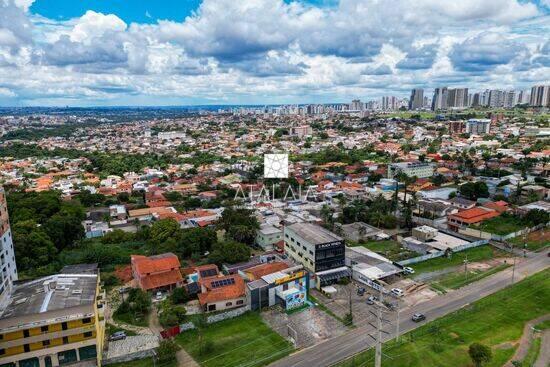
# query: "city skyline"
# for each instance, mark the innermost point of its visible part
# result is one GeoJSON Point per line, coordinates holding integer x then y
{"type": "Point", "coordinates": [224, 52]}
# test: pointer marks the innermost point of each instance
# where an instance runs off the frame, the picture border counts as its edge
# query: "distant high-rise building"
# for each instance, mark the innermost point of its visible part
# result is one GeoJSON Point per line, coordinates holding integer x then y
{"type": "Point", "coordinates": [457, 98]}
{"type": "Point", "coordinates": [496, 98]}
{"type": "Point", "coordinates": [356, 105]}
{"type": "Point", "coordinates": [476, 100]}
{"type": "Point", "coordinates": [439, 101]}
{"type": "Point", "coordinates": [540, 96]}
{"type": "Point", "coordinates": [478, 126]}
{"type": "Point", "coordinates": [523, 97]}
{"type": "Point", "coordinates": [8, 269]}
{"type": "Point", "coordinates": [456, 127]}
{"type": "Point", "coordinates": [509, 99]}
{"type": "Point", "coordinates": [417, 99]}
{"type": "Point", "coordinates": [390, 103]}
{"type": "Point", "coordinates": [484, 98]}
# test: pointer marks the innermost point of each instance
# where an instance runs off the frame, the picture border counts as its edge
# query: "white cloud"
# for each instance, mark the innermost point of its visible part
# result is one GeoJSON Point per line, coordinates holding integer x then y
{"type": "Point", "coordinates": [261, 51]}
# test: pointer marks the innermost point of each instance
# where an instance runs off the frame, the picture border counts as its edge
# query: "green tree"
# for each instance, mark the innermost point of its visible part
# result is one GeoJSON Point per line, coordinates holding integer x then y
{"type": "Point", "coordinates": [180, 295]}
{"type": "Point", "coordinates": [65, 227]}
{"type": "Point", "coordinates": [163, 230]}
{"type": "Point", "coordinates": [242, 233]}
{"type": "Point", "coordinates": [32, 245]}
{"type": "Point", "coordinates": [229, 252]}
{"type": "Point", "coordinates": [474, 190]}
{"type": "Point", "coordinates": [196, 241]}
{"type": "Point", "coordinates": [480, 353]}
{"type": "Point", "coordinates": [166, 351]}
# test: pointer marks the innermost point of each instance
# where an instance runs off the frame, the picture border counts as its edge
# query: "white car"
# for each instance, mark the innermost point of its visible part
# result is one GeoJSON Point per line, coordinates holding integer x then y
{"type": "Point", "coordinates": [408, 270]}
{"type": "Point", "coordinates": [397, 292]}
{"type": "Point", "coordinates": [159, 295]}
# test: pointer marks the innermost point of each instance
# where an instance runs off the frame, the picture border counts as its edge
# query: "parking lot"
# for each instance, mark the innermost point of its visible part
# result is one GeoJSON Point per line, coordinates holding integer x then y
{"type": "Point", "coordinates": [338, 303]}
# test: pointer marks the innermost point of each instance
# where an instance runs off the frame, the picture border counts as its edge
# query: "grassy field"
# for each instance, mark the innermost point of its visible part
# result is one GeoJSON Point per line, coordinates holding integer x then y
{"type": "Point", "coordinates": [243, 341]}
{"type": "Point", "coordinates": [496, 321]}
{"type": "Point", "coordinates": [388, 248]}
{"type": "Point", "coordinates": [535, 240]}
{"type": "Point", "coordinates": [480, 253]}
{"type": "Point", "coordinates": [145, 362]}
{"type": "Point", "coordinates": [502, 225]}
{"type": "Point", "coordinates": [460, 279]}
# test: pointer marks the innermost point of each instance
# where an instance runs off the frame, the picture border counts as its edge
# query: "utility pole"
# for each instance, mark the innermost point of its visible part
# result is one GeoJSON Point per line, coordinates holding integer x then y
{"type": "Point", "coordinates": [466, 267]}
{"type": "Point", "coordinates": [514, 264]}
{"type": "Point", "coordinates": [378, 355]}
{"type": "Point", "coordinates": [397, 324]}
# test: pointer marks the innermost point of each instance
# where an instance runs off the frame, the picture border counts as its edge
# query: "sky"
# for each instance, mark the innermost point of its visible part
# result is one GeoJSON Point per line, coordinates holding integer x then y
{"type": "Point", "coordinates": [195, 52]}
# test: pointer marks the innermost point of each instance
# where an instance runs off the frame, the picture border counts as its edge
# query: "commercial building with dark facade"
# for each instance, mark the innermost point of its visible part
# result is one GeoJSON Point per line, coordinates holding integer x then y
{"type": "Point", "coordinates": [319, 250]}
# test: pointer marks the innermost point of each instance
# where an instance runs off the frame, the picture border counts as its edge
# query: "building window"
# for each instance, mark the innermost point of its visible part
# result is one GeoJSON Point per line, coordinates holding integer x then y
{"type": "Point", "coordinates": [2, 351]}
{"type": "Point", "coordinates": [240, 302]}
{"type": "Point", "coordinates": [26, 333]}
{"type": "Point", "coordinates": [229, 304]}
{"type": "Point", "coordinates": [45, 343]}
{"type": "Point", "coordinates": [26, 348]}
{"type": "Point", "coordinates": [87, 334]}
{"type": "Point", "coordinates": [44, 329]}
{"type": "Point", "coordinates": [65, 340]}
{"type": "Point", "coordinates": [64, 326]}
{"type": "Point", "coordinates": [86, 320]}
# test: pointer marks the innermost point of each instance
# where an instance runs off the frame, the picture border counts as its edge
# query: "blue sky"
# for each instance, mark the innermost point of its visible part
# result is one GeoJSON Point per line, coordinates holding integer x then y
{"type": "Point", "coordinates": [178, 52]}
{"type": "Point", "coordinates": [140, 11]}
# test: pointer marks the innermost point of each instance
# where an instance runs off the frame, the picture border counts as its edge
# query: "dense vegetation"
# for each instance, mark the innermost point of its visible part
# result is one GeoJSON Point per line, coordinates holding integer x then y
{"type": "Point", "coordinates": [48, 234]}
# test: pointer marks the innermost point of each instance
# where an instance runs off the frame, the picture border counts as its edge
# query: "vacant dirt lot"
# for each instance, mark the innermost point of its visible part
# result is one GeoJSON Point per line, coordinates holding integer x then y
{"type": "Point", "coordinates": [308, 327]}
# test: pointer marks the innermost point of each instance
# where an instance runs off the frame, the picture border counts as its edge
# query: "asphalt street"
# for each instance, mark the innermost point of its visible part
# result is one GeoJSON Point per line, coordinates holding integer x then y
{"type": "Point", "coordinates": [358, 339]}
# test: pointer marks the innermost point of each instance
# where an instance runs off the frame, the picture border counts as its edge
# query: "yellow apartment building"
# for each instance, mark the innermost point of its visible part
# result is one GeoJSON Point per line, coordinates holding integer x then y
{"type": "Point", "coordinates": [54, 321]}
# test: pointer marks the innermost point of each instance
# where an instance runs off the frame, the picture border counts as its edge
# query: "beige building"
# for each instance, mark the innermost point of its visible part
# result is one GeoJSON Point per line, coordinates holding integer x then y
{"type": "Point", "coordinates": [54, 321]}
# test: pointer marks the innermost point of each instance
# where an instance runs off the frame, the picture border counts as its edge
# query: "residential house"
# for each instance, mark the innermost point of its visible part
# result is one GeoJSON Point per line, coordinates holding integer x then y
{"type": "Point", "coordinates": [157, 273]}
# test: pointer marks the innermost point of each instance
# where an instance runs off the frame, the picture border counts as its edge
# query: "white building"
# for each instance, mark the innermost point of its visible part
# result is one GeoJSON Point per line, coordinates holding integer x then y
{"type": "Point", "coordinates": [478, 126]}
{"type": "Point", "coordinates": [418, 169]}
{"type": "Point", "coordinates": [8, 269]}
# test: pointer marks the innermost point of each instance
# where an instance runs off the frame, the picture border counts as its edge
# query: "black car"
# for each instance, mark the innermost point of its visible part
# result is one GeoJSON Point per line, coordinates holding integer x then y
{"type": "Point", "coordinates": [360, 291]}
{"type": "Point", "coordinates": [417, 317]}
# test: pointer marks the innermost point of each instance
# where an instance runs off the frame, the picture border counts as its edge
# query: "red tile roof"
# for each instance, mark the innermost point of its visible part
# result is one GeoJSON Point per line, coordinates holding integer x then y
{"type": "Point", "coordinates": [228, 292]}
{"type": "Point", "coordinates": [259, 271]}
{"type": "Point", "coordinates": [161, 279]}
{"type": "Point", "coordinates": [156, 271]}
{"type": "Point", "coordinates": [155, 264]}
{"type": "Point", "coordinates": [475, 215]}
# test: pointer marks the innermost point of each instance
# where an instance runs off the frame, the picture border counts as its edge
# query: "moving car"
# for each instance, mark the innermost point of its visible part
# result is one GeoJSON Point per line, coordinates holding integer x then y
{"type": "Point", "coordinates": [417, 317]}
{"type": "Point", "coordinates": [408, 270]}
{"type": "Point", "coordinates": [397, 292]}
{"type": "Point", "coordinates": [119, 335]}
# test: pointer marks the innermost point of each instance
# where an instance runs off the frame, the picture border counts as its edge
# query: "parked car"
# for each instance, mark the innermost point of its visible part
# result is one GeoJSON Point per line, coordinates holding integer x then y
{"type": "Point", "coordinates": [371, 300]}
{"type": "Point", "coordinates": [397, 292]}
{"type": "Point", "coordinates": [119, 335]}
{"type": "Point", "coordinates": [159, 295]}
{"type": "Point", "coordinates": [361, 291]}
{"type": "Point", "coordinates": [408, 270]}
{"type": "Point", "coordinates": [417, 317]}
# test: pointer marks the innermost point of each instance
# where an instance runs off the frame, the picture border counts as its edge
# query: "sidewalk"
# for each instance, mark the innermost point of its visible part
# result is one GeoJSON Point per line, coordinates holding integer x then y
{"type": "Point", "coordinates": [184, 359]}
{"type": "Point", "coordinates": [526, 340]}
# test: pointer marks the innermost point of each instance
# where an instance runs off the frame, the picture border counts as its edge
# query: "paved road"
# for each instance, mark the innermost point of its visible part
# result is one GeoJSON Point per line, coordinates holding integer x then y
{"type": "Point", "coordinates": [357, 340]}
